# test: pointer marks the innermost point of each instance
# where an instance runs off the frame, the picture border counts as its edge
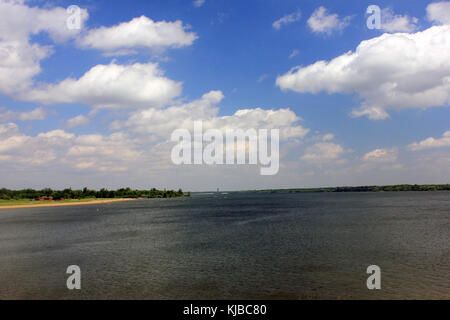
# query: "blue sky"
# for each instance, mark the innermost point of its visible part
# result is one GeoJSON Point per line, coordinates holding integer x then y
{"type": "Point", "coordinates": [377, 134]}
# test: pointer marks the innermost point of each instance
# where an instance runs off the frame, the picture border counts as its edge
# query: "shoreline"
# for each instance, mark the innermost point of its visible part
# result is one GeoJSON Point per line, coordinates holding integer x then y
{"type": "Point", "coordinates": [55, 204]}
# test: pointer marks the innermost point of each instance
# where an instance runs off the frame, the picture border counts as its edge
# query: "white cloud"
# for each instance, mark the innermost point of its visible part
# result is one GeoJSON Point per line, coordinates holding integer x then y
{"type": "Point", "coordinates": [287, 19]}
{"type": "Point", "coordinates": [161, 123]}
{"type": "Point", "coordinates": [373, 113]}
{"type": "Point", "coordinates": [8, 130]}
{"type": "Point", "coordinates": [78, 121]}
{"type": "Point", "coordinates": [141, 143]}
{"type": "Point", "coordinates": [10, 138]}
{"type": "Point", "coordinates": [263, 77]}
{"type": "Point", "coordinates": [392, 22]}
{"type": "Point", "coordinates": [61, 150]}
{"type": "Point", "coordinates": [294, 53]}
{"type": "Point", "coordinates": [116, 152]}
{"type": "Point", "coordinates": [19, 63]}
{"type": "Point", "coordinates": [140, 32]}
{"type": "Point", "coordinates": [56, 135]}
{"type": "Point", "coordinates": [439, 12]}
{"type": "Point", "coordinates": [323, 137]}
{"type": "Point", "coordinates": [431, 143]}
{"type": "Point", "coordinates": [257, 118]}
{"type": "Point", "coordinates": [12, 143]}
{"type": "Point", "coordinates": [392, 71]}
{"type": "Point", "coordinates": [118, 53]}
{"type": "Point", "coordinates": [328, 137]}
{"type": "Point", "coordinates": [381, 155]}
{"type": "Point", "coordinates": [322, 151]}
{"type": "Point", "coordinates": [198, 3]}
{"type": "Point", "coordinates": [36, 114]}
{"type": "Point", "coordinates": [20, 59]}
{"type": "Point", "coordinates": [112, 86]}
{"type": "Point", "coordinates": [16, 147]}
{"type": "Point", "coordinates": [18, 21]}
{"type": "Point", "coordinates": [323, 22]}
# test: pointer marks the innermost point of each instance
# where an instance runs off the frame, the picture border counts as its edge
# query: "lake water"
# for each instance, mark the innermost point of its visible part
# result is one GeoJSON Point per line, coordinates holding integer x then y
{"type": "Point", "coordinates": [232, 246]}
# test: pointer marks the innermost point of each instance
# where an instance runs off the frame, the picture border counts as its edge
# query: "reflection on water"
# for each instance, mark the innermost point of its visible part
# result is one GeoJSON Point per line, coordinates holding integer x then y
{"type": "Point", "coordinates": [223, 246]}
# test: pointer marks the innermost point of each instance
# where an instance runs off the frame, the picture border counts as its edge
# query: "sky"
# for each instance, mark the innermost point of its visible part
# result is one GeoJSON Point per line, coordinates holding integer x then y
{"type": "Point", "coordinates": [90, 95]}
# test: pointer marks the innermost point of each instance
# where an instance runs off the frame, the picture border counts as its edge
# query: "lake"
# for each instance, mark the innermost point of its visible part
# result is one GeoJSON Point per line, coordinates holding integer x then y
{"type": "Point", "coordinates": [232, 246]}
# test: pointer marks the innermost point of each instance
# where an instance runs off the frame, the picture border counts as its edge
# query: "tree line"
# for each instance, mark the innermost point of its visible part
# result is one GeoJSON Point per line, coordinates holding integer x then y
{"type": "Point", "coordinates": [393, 188]}
{"type": "Point", "coordinates": [31, 194]}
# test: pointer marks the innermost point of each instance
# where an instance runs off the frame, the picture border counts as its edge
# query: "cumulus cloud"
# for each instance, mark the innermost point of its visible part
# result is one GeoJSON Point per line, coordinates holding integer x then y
{"type": "Point", "coordinates": [161, 123]}
{"type": "Point", "coordinates": [287, 19]}
{"type": "Point", "coordinates": [10, 137]}
{"type": "Point", "coordinates": [17, 147]}
{"type": "Point", "coordinates": [141, 141]}
{"type": "Point", "coordinates": [9, 115]}
{"type": "Point", "coordinates": [19, 21]}
{"type": "Point", "coordinates": [257, 118]}
{"type": "Point", "coordinates": [321, 21]}
{"type": "Point", "coordinates": [431, 143]}
{"type": "Point", "coordinates": [19, 63]}
{"type": "Point", "coordinates": [392, 22]}
{"type": "Point", "coordinates": [322, 151]}
{"type": "Point", "coordinates": [112, 86]}
{"type": "Point", "coordinates": [381, 155]}
{"type": "Point", "coordinates": [157, 125]}
{"type": "Point", "coordinates": [439, 12]}
{"type": "Point", "coordinates": [78, 121]}
{"type": "Point", "coordinates": [140, 32]}
{"type": "Point", "coordinates": [19, 58]}
{"type": "Point", "coordinates": [114, 152]}
{"type": "Point", "coordinates": [392, 71]}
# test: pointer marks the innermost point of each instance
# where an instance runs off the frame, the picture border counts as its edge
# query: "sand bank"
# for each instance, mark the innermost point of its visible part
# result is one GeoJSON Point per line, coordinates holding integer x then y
{"type": "Point", "coordinates": [61, 204]}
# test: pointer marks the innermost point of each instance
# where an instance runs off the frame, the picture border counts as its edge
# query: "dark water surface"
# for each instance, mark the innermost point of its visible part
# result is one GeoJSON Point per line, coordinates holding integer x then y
{"type": "Point", "coordinates": [240, 246]}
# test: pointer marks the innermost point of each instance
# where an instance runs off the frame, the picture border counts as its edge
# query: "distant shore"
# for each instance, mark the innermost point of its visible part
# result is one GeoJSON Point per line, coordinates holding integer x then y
{"type": "Point", "coordinates": [387, 188]}
{"type": "Point", "coordinates": [40, 204]}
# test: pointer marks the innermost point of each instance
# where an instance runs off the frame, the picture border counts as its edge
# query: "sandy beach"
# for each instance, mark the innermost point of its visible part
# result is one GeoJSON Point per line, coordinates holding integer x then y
{"type": "Point", "coordinates": [56, 204]}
